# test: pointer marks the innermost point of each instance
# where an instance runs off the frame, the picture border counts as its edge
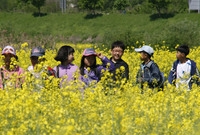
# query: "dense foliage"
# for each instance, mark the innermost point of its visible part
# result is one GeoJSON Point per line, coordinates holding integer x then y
{"type": "Point", "coordinates": [100, 6]}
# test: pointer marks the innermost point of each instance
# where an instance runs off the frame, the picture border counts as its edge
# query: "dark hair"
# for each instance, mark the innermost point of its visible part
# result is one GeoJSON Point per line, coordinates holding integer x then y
{"type": "Point", "coordinates": [118, 44]}
{"type": "Point", "coordinates": [63, 53]}
{"type": "Point", "coordinates": [149, 56]}
{"type": "Point", "coordinates": [93, 67]}
{"type": "Point", "coordinates": [184, 49]}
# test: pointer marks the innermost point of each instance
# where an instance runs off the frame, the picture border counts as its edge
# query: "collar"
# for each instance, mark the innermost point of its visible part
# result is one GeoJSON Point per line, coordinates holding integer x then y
{"type": "Point", "coordinates": [66, 66]}
{"type": "Point", "coordinates": [116, 61]}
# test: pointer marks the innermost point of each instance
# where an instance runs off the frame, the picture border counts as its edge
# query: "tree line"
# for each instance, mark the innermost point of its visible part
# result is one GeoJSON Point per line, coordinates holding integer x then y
{"type": "Point", "coordinates": [97, 6]}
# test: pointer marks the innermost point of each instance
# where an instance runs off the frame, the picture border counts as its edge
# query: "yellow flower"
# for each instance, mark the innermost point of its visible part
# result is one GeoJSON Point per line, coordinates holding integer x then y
{"type": "Point", "coordinates": [25, 44]}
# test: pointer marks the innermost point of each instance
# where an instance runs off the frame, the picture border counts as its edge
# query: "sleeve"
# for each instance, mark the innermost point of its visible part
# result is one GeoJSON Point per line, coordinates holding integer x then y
{"type": "Point", "coordinates": [195, 74]}
{"type": "Point", "coordinates": [193, 68]}
{"type": "Point", "coordinates": [172, 74]}
{"type": "Point", "coordinates": [127, 71]}
{"type": "Point", "coordinates": [106, 64]}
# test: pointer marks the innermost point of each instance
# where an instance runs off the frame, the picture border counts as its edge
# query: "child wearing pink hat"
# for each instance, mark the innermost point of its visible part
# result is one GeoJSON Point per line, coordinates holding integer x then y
{"type": "Point", "coordinates": [9, 69]}
{"type": "Point", "coordinates": [88, 61]}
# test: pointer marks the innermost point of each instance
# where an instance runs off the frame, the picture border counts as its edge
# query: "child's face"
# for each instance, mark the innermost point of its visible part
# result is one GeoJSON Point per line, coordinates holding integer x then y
{"type": "Point", "coordinates": [117, 53]}
{"type": "Point", "coordinates": [89, 60]}
{"type": "Point", "coordinates": [71, 57]}
{"type": "Point", "coordinates": [7, 58]}
{"type": "Point", "coordinates": [179, 55]}
{"type": "Point", "coordinates": [34, 60]}
{"type": "Point", "coordinates": [143, 56]}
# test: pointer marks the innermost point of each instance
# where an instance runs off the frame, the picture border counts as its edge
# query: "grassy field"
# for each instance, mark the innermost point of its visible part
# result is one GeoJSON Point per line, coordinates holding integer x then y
{"type": "Point", "coordinates": [78, 28]}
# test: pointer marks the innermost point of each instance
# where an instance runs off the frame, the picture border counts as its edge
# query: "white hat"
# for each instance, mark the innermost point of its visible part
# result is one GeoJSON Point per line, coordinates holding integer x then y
{"type": "Point", "coordinates": [146, 49]}
{"type": "Point", "coordinates": [8, 49]}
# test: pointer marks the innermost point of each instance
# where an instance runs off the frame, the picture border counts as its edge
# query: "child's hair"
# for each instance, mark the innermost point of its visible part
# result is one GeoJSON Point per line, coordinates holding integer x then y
{"type": "Point", "coordinates": [184, 49]}
{"type": "Point", "coordinates": [93, 67]}
{"type": "Point", "coordinates": [118, 44]}
{"type": "Point", "coordinates": [63, 53]}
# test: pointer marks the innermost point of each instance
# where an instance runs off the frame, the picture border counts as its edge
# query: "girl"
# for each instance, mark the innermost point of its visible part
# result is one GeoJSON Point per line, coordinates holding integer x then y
{"type": "Point", "coordinates": [10, 72]}
{"type": "Point", "coordinates": [89, 69]}
{"type": "Point", "coordinates": [66, 69]}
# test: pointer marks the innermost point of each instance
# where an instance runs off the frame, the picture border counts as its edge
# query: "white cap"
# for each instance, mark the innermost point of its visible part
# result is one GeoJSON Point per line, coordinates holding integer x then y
{"type": "Point", "coordinates": [146, 49]}
{"type": "Point", "coordinates": [8, 49]}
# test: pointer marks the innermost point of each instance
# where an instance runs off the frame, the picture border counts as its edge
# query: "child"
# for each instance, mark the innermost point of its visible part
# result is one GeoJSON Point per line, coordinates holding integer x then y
{"type": "Point", "coordinates": [149, 71]}
{"type": "Point", "coordinates": [39, 74]}
{"type": "Point", "coordinates": [35, 57]}
{"type": "Point", "coordinates": [183, 69]}
{"type": "Point", "coordinates": [117, 51]}
{"type": "Point", "coordinates": [10, 69]}
{"type": "Point", "coordinates": [66, 69]}
{"type": "Point", "coordinates": [90, 71]}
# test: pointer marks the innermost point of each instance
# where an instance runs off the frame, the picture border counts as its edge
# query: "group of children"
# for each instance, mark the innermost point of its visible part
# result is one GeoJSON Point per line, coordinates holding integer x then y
{"type": "Point", "coordinates": [181, 73]}
{"type": "Point", "coordinates": [89, 71]}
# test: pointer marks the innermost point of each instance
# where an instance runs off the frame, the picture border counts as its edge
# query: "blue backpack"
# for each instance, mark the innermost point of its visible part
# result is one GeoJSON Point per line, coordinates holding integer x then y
{"type": "Point", "coordinates": [162, 77]}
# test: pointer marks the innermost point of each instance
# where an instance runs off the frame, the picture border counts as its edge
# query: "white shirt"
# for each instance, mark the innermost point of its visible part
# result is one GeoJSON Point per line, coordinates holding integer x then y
{"type": "Point", "coordinates": [183, 74]}
{"type": "Point", "coordinates": [30, 68]}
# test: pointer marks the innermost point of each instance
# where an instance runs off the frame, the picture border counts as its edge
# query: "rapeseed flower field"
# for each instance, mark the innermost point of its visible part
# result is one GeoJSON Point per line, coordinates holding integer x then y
{"type": "Point", "coordinates": [123, 110]}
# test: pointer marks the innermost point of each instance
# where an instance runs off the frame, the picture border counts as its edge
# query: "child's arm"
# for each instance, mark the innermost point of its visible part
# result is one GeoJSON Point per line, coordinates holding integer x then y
{"type": "Point", "coordinates": [106, 63]}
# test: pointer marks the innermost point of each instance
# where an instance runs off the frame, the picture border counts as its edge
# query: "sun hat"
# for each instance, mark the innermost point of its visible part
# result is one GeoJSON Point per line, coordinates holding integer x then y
{"type": "Point", "coordinates": [183, 49]}
{"type": "Point", "coordinates": [37, 51]}
{"type": "Point", "coordinates": [146, 49]}
{"type": "Point", "coordinates": [8, 50]}
{"type": "Point", "coordinates": [89, 52]}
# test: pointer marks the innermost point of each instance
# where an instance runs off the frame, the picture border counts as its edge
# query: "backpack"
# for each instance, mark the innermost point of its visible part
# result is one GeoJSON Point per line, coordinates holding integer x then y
{"type": "Point", "coordinates": [161, 83]}
{"type": "Point", "coordinates": [51, 72]}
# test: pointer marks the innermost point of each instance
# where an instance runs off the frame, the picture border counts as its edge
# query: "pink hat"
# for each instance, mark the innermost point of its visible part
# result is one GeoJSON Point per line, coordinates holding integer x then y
{"type": "Point", "coordinates": [8, 49]}
{"type": "Point", "coordinates": [89, 52]}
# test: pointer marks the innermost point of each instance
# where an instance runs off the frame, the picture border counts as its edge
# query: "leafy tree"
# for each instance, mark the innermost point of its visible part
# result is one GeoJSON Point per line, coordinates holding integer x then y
{"type": "Point", "coordinates": [136, 2]}
{"type": "Point", "coordinates": [160, 5]}
{"type": "Point", "coordinates": [178, 6]}
{"type": "Point", "coordinates": [36, 3]}
{"type": "Point", "coordinates": [91, 5]}
{"type": "Point", "coordinates": [108, 4]}
{"type": "Point", "coordinates": [8, 5]}
{"type": "Point", "coordinates": [121, 4]}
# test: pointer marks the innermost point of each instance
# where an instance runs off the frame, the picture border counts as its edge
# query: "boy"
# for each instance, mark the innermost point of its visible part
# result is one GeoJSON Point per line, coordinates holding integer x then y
{"type": "Point", "coordinates": [34, 57]}
{"type": "Point", "coordinates": [39, 74]}
{"type": "Point", "coordinates": [117, 51]}
{"type": "Point", "coordinates": [183, 69]}
{"type": "Point", "coordinates": [149, 71]}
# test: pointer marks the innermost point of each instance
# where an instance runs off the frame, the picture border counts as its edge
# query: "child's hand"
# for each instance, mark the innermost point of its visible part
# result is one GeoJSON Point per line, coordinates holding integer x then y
{"type": "Point", "coordinates": [139, 80]}
{"type": "Point", "coordinates": [100, 56]}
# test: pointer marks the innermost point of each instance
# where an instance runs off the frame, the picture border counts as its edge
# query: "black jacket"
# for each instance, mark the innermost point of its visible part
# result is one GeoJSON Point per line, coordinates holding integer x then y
{"type": "Point", "coordinates": [117, 65]}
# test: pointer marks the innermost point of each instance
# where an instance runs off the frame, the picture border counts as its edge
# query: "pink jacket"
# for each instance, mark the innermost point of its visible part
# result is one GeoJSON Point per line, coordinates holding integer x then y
{"type": "Point", "coordinates": [6, 77]}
